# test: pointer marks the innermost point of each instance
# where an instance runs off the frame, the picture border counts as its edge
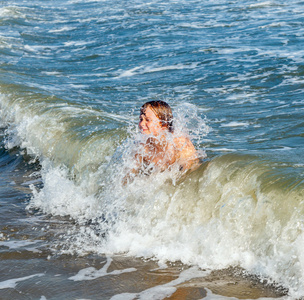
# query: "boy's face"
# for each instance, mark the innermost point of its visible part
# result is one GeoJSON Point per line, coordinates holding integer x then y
{"type": "Point", "coordinates": [149, 122]}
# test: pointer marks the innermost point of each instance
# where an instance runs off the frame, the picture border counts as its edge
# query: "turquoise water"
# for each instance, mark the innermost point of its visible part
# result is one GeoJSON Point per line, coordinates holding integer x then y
{"type": "Point", "coordinates": [73, 77]}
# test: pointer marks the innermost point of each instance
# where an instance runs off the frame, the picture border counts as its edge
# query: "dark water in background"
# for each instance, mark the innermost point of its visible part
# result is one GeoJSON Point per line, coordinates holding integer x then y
{"type": "Point", "coordinates": [73, 75]}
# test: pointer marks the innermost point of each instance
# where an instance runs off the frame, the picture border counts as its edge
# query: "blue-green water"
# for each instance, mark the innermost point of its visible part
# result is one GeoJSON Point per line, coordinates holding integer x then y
{"type": "Point", "coordinates": [73, 75]}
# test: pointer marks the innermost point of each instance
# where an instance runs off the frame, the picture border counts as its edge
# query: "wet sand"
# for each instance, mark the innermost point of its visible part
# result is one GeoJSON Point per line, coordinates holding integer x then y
{"type": "Point", "coordinates": [51, 278]}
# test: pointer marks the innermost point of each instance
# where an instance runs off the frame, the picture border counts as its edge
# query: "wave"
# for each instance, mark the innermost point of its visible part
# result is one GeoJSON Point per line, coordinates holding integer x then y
{"type": "Point", "coordinates": [234, 210]}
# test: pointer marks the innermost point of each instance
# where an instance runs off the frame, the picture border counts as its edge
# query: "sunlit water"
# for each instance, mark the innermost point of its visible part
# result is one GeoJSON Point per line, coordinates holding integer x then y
{"type": "Point", "coordinates": [73, 77]}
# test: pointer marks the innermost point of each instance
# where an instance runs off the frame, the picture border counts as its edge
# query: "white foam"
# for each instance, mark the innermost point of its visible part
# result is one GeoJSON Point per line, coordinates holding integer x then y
{"type": "Point", "coordinates": [23, 244]}
{"type": "Point", "coordinates": [294, 80]}
{"type": "Point", "coordinates": [76, 43]}
{"type": "Point", "coordinates": [129, 73]}
{"type": "Point", "coordinates": [173, 67]}
{"type": "Point", "coordinates": [296, 55]}
{"type": "Point", "coordinates": [222, 149]}
{"type": "Point", "coordinates": [282, 148]}
{"type": "Point", "coordinates": [12, 283]}
{"type": "Point", "coordinates": [52, 73]}
{"type": "Point", "coordinates": [12, 12]}
{"type": "Point", "coordinates": [194, 25]}
{"type": "Point", "coordinates": [37, 48]}
{"type": "Point", "coordinates": [262, 4]}
{"type": "Point", "coordinates": [235, 50]}
{"type": "Point", "coordinates": [151, 69]}
{"type": "Point", "coordinates": [60, 195]}
{"type": "Point", "coordinates": [62, 29]}
{"type": "Point", "coordinates": [235, 124]}
{"type": "Point", "coordinates": [78, 86]}
{"type": "Point", "coordinates": [275, 24]}
{"type": "Point", "coordinates": [163, 291]}
{"type": "Point", "coordinates": [92, 273]}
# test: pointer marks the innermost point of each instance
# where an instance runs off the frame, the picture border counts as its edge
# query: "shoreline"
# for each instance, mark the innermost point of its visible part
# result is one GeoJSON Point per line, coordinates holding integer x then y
{"type": "Point", "coordinates": [112, 277]}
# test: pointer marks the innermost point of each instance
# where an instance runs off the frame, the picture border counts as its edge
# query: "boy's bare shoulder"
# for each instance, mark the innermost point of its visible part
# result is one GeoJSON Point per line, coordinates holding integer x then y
{"type": "Point", "coordinates": [183, 142]}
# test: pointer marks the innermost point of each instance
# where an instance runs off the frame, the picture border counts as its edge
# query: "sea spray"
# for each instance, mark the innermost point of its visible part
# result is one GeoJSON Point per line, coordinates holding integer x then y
{"type": "Point", "coordinates": [231, 211]}
{"type": "Point", "coordinates": [217, 216]}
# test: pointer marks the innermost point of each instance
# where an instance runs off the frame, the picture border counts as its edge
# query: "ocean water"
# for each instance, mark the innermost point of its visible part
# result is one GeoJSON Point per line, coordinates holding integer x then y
{"type": "Point", "coordinates": [73, 77]}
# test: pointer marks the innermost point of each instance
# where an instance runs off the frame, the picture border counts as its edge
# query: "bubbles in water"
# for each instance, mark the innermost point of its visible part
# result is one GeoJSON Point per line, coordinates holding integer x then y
{"type": "Point", "coordinates": [188, 120]}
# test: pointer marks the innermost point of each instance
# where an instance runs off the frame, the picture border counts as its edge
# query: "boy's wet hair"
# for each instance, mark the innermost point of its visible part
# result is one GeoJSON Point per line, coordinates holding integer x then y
{"type": "Point", "coordinates": [163, 112]}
